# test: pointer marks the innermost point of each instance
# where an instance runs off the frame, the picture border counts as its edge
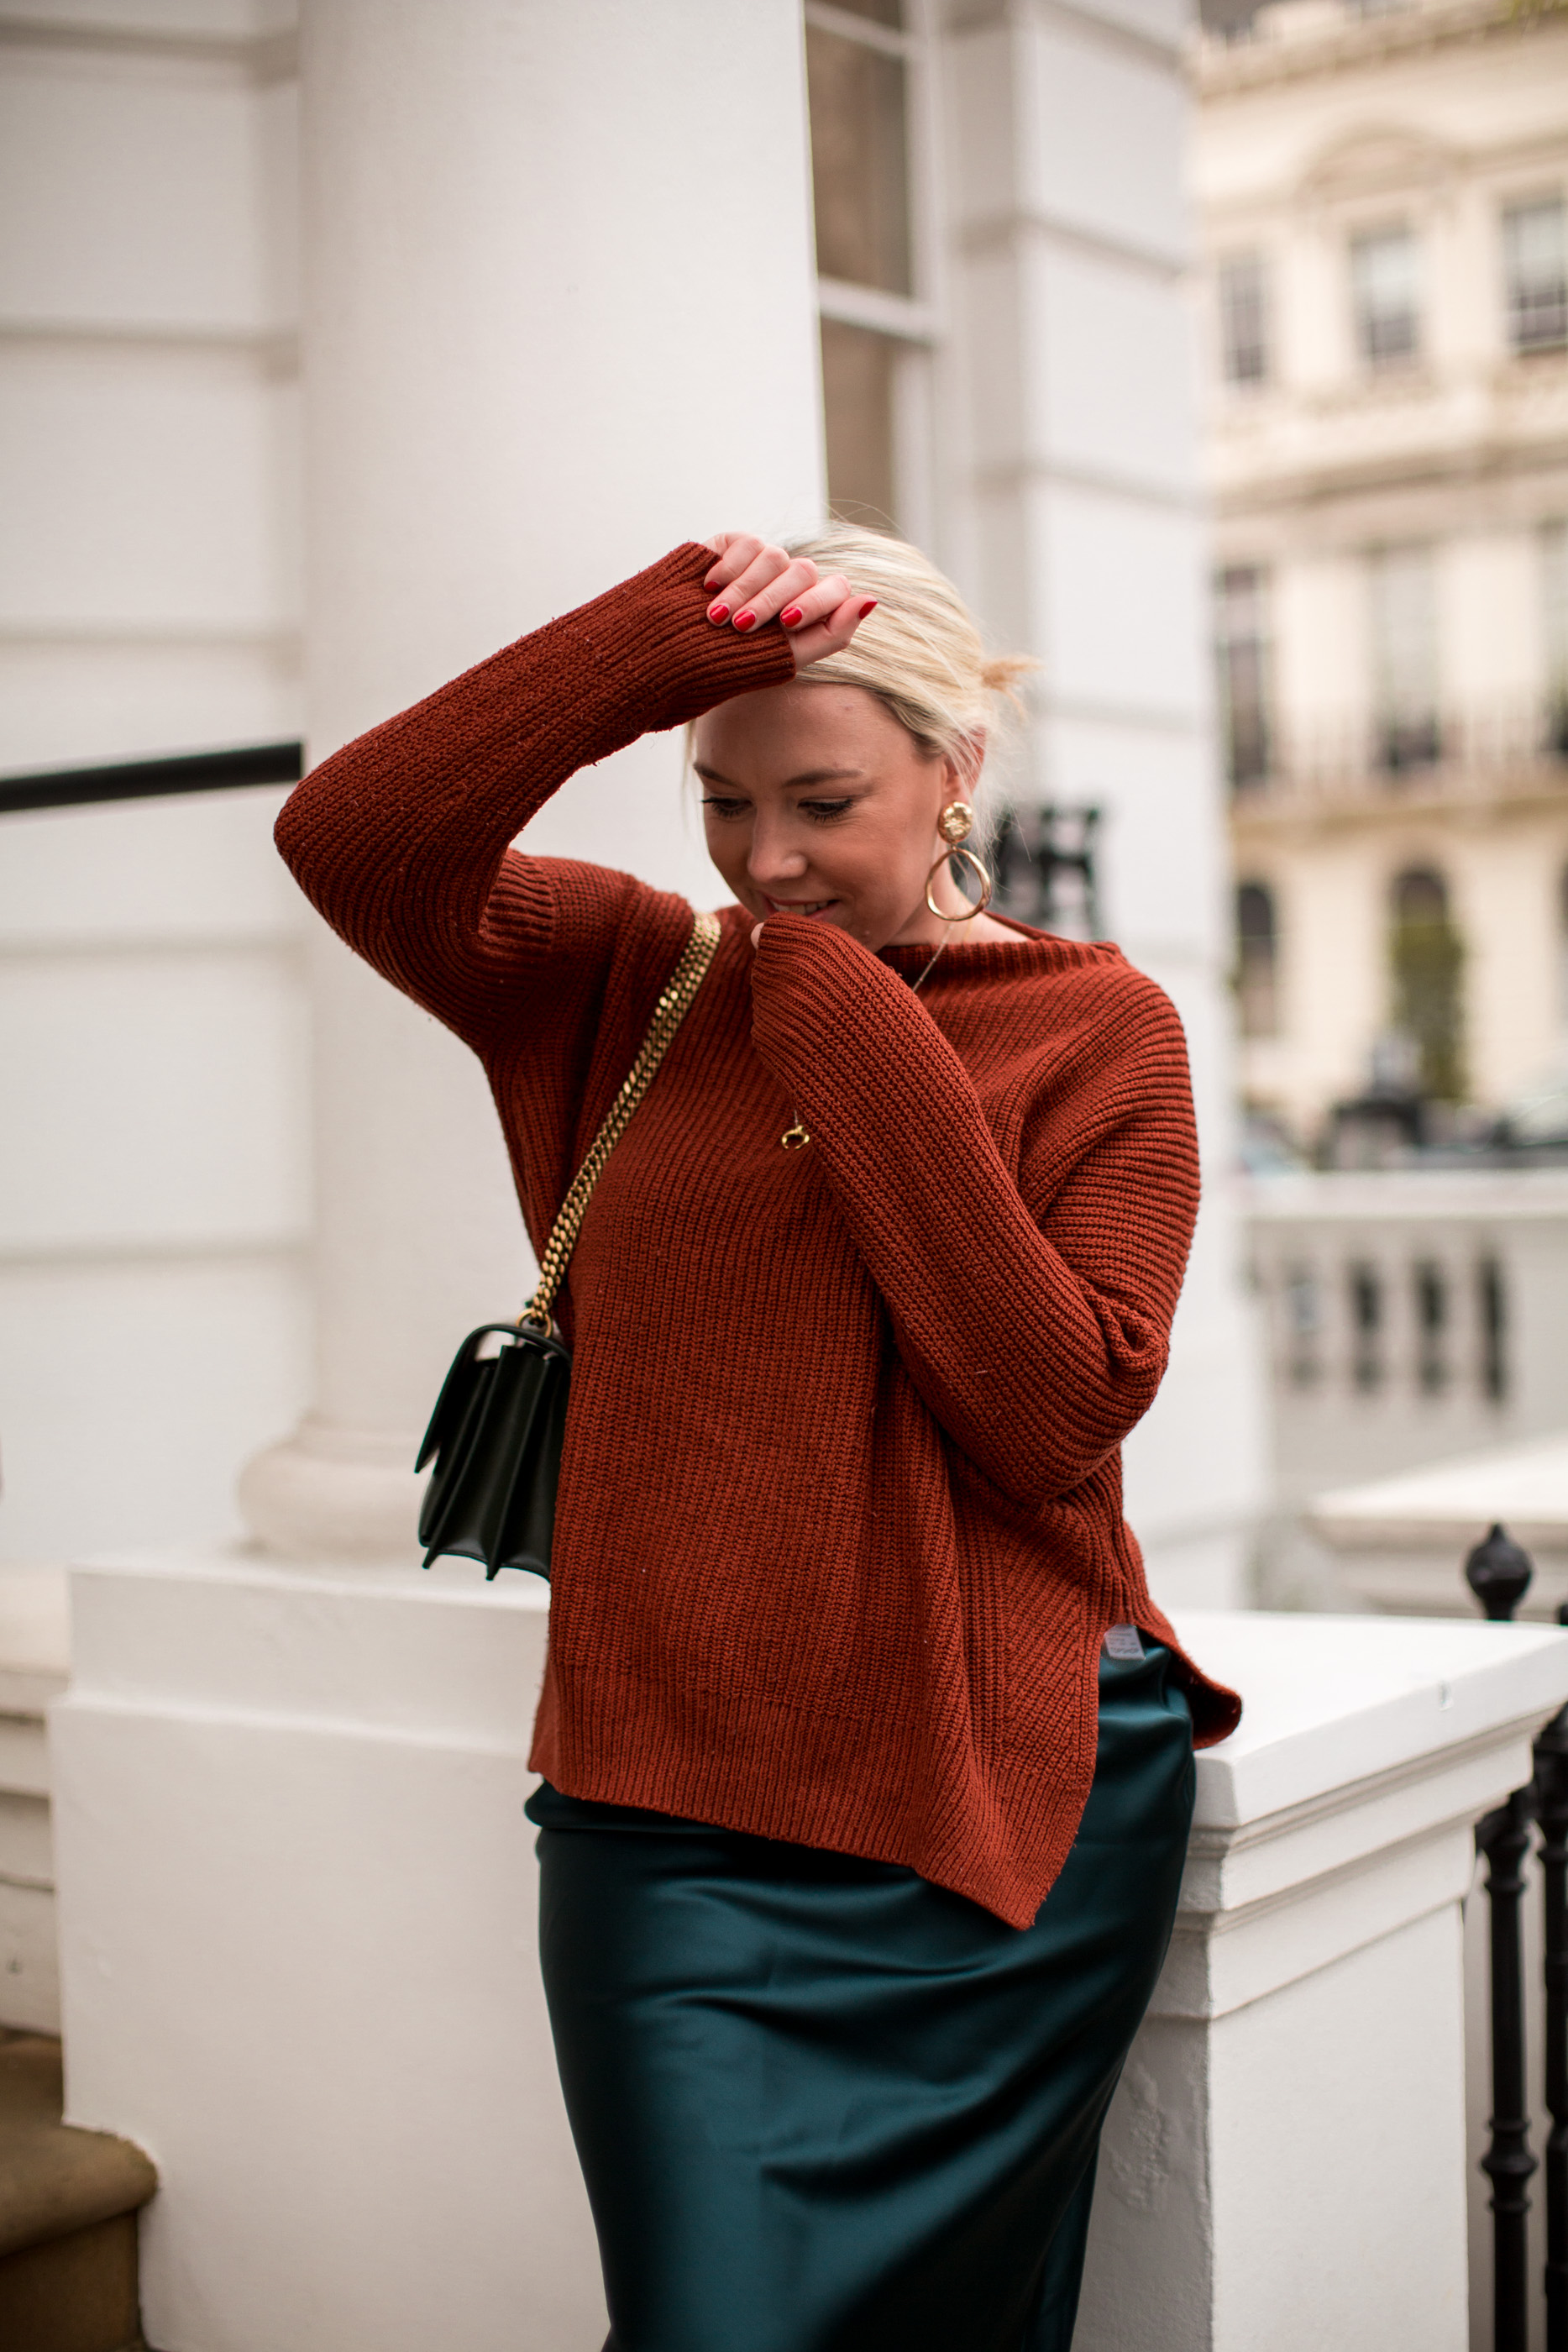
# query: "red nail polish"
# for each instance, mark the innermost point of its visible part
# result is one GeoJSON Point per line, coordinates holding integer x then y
{"type": "Point", "coordinates": [746, 620]}
{"type": "Point", "coordinates": [869, 606]}
{"type": "Point", "coordinates": [790, 619]}
{"type": "Point", "coordinates": [718, 612]}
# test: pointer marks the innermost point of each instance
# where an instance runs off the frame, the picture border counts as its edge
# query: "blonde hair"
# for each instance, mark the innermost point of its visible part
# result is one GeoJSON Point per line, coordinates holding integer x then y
{"type": "Point", "coordinates": [919, 653]}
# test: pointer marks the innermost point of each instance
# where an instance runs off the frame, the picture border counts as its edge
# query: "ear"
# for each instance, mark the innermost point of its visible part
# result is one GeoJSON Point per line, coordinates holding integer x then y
{"type": "Point", "coordinates": [961, 769]}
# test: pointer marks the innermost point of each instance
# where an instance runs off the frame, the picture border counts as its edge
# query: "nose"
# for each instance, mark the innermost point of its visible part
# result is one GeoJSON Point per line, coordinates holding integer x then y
{"type": "Point", "coordinates": [772, 858]}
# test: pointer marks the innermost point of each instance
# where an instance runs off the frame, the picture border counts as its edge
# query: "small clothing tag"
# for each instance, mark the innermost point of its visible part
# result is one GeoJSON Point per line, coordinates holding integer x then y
{"type": "Point", "coordinates": [1123, 1642]}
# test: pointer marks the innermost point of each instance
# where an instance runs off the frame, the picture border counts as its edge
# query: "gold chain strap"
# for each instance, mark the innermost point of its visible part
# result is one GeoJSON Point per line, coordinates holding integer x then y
{"type": "Point", "coordinates": [668, 1013]}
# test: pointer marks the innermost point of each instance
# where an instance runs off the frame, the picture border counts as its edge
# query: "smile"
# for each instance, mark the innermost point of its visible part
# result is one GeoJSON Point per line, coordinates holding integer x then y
{"type": "Point", "coordinates": [798, 906]}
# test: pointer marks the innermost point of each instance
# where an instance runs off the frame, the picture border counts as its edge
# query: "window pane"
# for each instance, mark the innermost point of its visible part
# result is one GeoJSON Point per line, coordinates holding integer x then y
{"type": "Point", "coordinates": [1405, 656]}
{"type": "Point", "coordinates": [860, 168]}
{"type": "Point", "coordinates": [857, 400]}
{"type": "Point", "coordinates": [1386, 281]}
{"type": "Point", "coordinates": [1427, 956]}
{"type": "Point", "coordinates": [1535, 261]}
{"type": "Point", "coordinates": [1242, 639]}
{"type": "Point", "coordinates": [1243, 319]}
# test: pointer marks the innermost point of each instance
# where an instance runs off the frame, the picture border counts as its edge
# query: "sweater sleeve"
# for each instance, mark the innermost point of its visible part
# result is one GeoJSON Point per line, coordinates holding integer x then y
{"type": "Point", "coordinates": [1034, 1317]}
{"type": "Point", "coordinates": [400, 839]}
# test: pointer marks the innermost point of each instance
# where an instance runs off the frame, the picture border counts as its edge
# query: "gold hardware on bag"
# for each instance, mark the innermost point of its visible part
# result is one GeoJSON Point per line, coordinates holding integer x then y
{"type": "Point", "coordinates": [668, 1013]}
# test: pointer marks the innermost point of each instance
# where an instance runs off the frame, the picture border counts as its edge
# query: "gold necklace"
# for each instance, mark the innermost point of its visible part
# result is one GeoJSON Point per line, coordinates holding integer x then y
{"type": "Point", "coordinates": [797, 1137]}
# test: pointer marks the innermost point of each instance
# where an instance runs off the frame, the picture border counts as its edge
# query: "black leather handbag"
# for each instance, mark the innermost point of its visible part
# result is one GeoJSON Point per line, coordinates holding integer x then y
{"type": "Point", "coordinates": [496, 1431]}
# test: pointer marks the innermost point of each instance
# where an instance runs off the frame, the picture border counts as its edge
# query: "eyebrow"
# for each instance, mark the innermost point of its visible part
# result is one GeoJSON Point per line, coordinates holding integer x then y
{"type": "Point", "coordinates": [811, 776]}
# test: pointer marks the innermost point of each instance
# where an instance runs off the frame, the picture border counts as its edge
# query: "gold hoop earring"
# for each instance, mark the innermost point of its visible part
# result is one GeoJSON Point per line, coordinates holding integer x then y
{"type": "Point", "coordinates": [954, 825]}
{"type": "Point", "coordinates": [981, 903]}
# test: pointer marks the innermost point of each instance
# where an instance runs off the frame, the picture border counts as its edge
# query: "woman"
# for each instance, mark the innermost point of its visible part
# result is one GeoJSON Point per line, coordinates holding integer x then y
{"type": "Point", "coordinates": [867, 1759]}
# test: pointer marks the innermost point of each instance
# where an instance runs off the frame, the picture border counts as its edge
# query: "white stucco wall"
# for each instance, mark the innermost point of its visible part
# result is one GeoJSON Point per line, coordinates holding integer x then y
{"type": "Point", "coordinates": [154, 1171]}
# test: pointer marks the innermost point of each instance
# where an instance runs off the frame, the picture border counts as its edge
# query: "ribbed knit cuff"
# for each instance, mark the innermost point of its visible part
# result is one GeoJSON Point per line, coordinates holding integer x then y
{"type": "Point", "coordinates": [650, 635]}
{"type": "Point", "coordinates": [826, 1012]}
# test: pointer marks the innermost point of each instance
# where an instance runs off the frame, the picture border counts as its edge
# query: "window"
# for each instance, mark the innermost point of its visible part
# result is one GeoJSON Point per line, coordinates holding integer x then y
{"type": "Point", "coordinates": [1403, 630]}
{"type": "Point", "coordinates": [1244, 319]}
{"type": "Point", "coordinates": [1257, 960]}
{"type": "Point", "coordinates": [1535, 272]}
{"type": "Point", "coordinates": [1428, 958]}
{"type": "Point", "coordinates": [1385, 269]}
{"type": "Point", "coordinates": [860, 65]}
{"type": "Point", "coordinates": [1242, 648]}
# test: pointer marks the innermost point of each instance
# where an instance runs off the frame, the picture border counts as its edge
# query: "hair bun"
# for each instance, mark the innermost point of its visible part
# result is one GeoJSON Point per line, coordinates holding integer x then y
{"type": "Point", "coordinates": [1000, 673]}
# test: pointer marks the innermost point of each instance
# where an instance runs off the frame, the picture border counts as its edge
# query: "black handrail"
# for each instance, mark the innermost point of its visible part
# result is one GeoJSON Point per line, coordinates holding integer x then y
{"type": "Point", "coordinates": [134, 780]}
{"type": "Point", "coordinates": [1499, 1573]}
{"type": "Point", "coordinates": [1552, 1813]}
{"type": "Point", "coordinates": [1504, 1838]}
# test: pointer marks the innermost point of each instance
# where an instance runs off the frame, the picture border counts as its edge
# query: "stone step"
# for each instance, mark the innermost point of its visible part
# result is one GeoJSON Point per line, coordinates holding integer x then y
{"type": "Point", "coordinates": [69, 2202]}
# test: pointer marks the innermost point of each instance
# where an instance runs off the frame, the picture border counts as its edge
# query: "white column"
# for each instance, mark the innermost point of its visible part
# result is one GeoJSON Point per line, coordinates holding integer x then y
{"type": "Point", "coordinates": [558, 317]}
{"type": "Point", "coordinates": [547, 334]}
{"type": "Point", "coordinates": [1076, 507]}
{"type": "Point", "coordinates": [1284, 2164]}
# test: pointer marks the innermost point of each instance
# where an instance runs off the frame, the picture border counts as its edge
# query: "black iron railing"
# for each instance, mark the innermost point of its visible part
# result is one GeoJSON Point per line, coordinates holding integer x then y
{"type": "Point", "coordinates": [1499, 1573]}
{"type": "Point", "coordinates": [135, 780]}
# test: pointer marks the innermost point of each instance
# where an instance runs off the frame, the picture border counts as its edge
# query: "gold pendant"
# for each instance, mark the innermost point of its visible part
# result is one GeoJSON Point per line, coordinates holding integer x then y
{"type": "Point", "coordinates": [796, 1138]}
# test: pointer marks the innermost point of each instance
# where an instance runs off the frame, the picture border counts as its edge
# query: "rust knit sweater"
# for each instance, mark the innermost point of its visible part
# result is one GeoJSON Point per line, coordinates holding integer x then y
{"type": "Point", "coordinates": [839, 1525]}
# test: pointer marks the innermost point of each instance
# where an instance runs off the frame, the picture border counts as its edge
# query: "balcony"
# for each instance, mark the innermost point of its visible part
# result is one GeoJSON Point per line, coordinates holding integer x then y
{"type": "Point", "coordinates": [1502, 754]}
{"type": "Point", "coordinates": [1411, 1315]}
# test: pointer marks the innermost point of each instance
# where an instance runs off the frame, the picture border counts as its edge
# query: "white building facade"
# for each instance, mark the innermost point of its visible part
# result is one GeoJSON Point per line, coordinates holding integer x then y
{"type": "Point", "coordinates": [1384, 204]}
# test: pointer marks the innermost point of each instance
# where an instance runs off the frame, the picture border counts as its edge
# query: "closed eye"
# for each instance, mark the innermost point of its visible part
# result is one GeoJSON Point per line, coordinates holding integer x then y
{"type": "Point", "coordinates": [824, 812]}
{"type": "Point", "coordinates": [723, 808]}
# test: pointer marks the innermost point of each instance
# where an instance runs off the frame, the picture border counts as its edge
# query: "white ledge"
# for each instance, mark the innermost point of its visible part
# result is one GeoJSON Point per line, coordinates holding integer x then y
{"type": "Point", "coordinates": [1343, 1809]}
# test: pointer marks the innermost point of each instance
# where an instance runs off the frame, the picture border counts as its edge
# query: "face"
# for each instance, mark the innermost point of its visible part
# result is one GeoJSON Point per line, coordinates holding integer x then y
{"type": "Point", "coordinates": [815, 801]}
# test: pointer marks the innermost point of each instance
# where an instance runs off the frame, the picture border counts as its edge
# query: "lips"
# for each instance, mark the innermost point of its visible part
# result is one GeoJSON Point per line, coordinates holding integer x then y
{"type": "Point", "coordinates": [799, 906]}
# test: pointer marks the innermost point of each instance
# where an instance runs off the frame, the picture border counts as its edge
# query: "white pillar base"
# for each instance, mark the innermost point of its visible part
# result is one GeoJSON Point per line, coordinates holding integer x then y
{"type": "Point", "coordinates": [298, 1950]}
{"type": "Point", "coordinates": [335, 1494]}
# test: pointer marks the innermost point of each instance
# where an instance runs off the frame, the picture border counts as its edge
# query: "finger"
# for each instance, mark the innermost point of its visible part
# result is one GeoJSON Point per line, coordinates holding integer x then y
{"type": "Point", "coordinates": [817, 601]}
{"type": "Point", "coordinates": [754, 590]}
{"type": "Point", "coordinates": [817, 641]}
{"type": "Point", "coordinates": [734, 550]}
{"type": "Point", "coordinates": [783, 593]}
{"type": "Point", "coordinates": [757, 935]}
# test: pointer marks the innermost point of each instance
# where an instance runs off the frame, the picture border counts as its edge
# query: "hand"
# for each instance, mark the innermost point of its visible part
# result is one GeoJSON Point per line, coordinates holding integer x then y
{"type": "Point", "coordinates": [752, 582]}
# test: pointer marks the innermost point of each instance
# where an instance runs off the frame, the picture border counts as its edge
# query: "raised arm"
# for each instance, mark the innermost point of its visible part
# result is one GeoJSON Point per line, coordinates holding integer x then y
{"type": "Point", "coordinates": [1033, 1316]}
{"type": "Point", "coordinates": [400, 839]}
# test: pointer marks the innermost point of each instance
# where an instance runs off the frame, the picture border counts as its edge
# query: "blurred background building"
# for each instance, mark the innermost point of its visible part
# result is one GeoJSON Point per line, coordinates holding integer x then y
{"type": "Point", "coordinates": [1383, 199]}
{"type": "Point", "coordinates": [1386, 324]}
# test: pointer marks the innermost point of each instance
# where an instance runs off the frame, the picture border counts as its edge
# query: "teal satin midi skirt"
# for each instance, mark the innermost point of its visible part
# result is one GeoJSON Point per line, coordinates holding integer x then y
{"type": "Point", "coordinates": [822, 2106]}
